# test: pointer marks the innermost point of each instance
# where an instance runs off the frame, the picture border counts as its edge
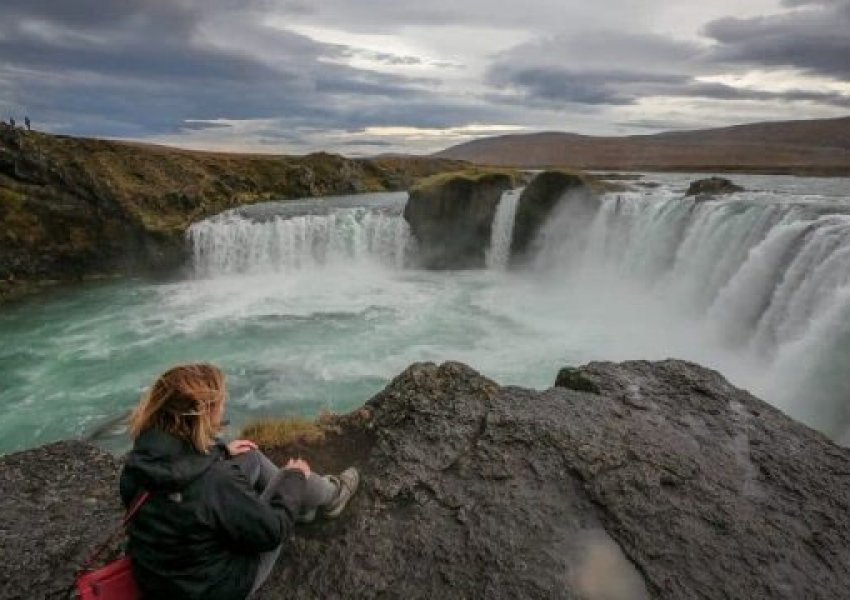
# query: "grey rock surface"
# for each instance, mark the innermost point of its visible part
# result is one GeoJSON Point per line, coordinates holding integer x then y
{"type": "Point", "coordinates": [666, 483]}
{"type": "Point", "coordinates": [452, 218]}
{"type": "Point", "coordinates": [655, 480]}
{"type": "Point", "coordinates": [706, 189]}
{"type": "Point", "coordinates": [549, 192]}
{"type": "Point", "coordinates": [58, 502]}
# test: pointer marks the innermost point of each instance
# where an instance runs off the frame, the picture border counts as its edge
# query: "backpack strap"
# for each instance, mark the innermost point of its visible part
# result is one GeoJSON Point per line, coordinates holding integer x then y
{"type": "Point", "coordinates": [135, 507]}
{"type": "Point", "coordinates": [132, 511]}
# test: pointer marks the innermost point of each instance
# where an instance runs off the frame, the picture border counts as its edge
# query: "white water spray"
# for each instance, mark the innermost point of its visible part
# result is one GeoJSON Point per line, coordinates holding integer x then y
{"type": "Point", "coordinates": [499, 252]}
{"type": "Point", "coordinates": [759, 278]}
{"type": "Point", "coordinates": [232, 244]}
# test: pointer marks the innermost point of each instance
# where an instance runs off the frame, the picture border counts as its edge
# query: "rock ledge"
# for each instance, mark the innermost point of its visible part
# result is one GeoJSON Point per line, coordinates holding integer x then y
{"type": "Point", "coordinates": [651, 480]}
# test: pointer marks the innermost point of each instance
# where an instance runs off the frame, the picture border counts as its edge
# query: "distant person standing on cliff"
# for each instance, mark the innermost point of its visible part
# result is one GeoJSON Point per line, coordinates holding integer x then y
{"type": "Point", "coordinates": [218, 513]}
{"type": "Point", "coordinates": [28, 123]}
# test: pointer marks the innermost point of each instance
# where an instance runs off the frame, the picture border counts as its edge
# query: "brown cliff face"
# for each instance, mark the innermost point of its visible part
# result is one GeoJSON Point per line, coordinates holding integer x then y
{"type": "Point", "coordinates": [73, 208]}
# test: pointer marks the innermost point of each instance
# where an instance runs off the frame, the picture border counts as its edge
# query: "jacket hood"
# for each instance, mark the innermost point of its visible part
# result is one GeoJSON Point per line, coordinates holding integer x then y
{"type": "Point", "coordinates": [160, 461]}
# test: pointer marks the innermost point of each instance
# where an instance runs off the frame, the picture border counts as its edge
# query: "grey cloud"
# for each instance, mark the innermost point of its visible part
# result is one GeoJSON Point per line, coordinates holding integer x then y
{"type": "Point", "coordinates": [126, 73]}
{"type": "Point", "coordinates": [383, 57]}
{"type": "Point", "coordinates": [607, 50]}
{"type": "Point", "coordinates": [556, 85]}
{"type": "Point", "coordinates": [719, 91]}
{"type": "Point", "coordinates": [565, 70]}
{"type": "Point", "coordinates": [203, 125]}
{"type": "Point", "coordinates": [814, 38]}
{"type": "Point", "coordinates": [374, 143]}
{"type": "Point", "coordinates": [798, 3]}
{"type": "Point", "coordinates": [394, 59]}
{"type": "Point", "coordinates": [542, 16]}
{"type": "Point", "coordinates": [592, 68]}
{"type": "Point", "coordinates": [655, 124]}
{"type": "Point", "coordinates": [136, 68]}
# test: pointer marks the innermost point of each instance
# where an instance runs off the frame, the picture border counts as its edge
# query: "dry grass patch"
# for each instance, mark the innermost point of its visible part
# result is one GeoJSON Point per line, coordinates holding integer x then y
{"type": "Point", "coordinates": [474, 175]}
{"type": "Point", "coordinates": [274, 433]}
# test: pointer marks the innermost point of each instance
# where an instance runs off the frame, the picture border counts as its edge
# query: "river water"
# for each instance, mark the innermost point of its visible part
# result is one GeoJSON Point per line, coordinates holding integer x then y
{"type": "Point", "coordinates": [316, 304]}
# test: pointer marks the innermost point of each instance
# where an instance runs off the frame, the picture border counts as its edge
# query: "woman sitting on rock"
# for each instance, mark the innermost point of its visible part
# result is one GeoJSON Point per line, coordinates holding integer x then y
{"type": "Point", "coordinates": [218, 514]}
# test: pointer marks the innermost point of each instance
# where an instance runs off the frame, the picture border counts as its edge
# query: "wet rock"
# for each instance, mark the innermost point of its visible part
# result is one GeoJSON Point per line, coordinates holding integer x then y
{"type": "Point", "coordinates": [706, 189]}
{"type": "Point", "coordinates": [574, 379]}
{"type": "Point", "coordinates": [540, 198]}
{"type": "Point", "coordinates": [665, 482]}
{"type": "Point", "coordinates": [451, 217]}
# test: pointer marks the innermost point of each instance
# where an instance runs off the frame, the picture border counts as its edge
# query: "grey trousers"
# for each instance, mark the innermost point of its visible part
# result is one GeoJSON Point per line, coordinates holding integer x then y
{"type": "Point", "coordinates": [260, 471]}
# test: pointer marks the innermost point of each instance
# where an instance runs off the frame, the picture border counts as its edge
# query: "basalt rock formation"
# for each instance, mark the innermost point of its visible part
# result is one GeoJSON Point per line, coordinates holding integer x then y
{"type": "Point", "coordinates": [540, 198]}
{"type": "Point", "coordinates": [705, 189]}
{"type": "Point", "coordinates": [451, 217]}
{"type": "Point", "coordinates": [625, 481]}
{"type": "Point", "coordinates": [73, 208]}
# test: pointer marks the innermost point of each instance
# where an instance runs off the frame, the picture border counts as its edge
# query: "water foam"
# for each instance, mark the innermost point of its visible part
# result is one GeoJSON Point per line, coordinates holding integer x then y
{"type": "Point", "coordinates": [499, 252]}
{"type": "Point", "coordinates": [767, 279]}
{"type": "Point", "coordinates": [231, 243]}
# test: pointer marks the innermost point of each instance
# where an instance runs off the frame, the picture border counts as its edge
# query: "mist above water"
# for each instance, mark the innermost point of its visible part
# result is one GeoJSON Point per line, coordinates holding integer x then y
{"type": "Point", "coordinates": [316, 305]}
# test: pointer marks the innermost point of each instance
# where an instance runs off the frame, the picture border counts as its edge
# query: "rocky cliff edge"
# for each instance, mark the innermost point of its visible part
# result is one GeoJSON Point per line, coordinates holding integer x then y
{"type": "Point", "coordinates": [624, 481]}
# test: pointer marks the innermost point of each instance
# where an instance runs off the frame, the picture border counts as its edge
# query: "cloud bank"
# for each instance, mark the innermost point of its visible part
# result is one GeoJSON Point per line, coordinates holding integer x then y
{"type": "Point", "coordinates": [374, 76]}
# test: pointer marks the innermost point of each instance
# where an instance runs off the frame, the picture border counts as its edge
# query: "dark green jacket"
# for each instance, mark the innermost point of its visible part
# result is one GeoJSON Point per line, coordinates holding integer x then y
{"type": "Point", "coordinates": [201, 533]}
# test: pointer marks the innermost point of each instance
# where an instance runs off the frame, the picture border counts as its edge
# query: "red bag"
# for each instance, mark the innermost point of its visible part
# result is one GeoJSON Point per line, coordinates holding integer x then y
{"type": "Point", "coordinates": [115, 580]}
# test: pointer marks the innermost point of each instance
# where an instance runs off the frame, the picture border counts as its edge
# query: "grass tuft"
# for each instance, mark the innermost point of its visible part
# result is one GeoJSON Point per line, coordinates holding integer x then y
{"type": "Point", "coordinates": [275, 432]}
{"type": "Point", "coordinates": [472, 174]}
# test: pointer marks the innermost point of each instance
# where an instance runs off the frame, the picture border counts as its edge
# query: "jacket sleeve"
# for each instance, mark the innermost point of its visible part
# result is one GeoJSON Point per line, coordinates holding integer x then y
{"type": "Point", "coordinates": [251, 523]}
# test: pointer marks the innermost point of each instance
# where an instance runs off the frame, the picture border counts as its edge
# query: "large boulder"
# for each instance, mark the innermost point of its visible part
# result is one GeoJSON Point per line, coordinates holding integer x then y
{"type": "Point", "coordinates": [705, 189]}
{"type": "Point", "coordinates": [546, 192]}
{"type": "Point", "coordinates": [636, 480]}
{"type": "Point", "coordinates": [451, 217]}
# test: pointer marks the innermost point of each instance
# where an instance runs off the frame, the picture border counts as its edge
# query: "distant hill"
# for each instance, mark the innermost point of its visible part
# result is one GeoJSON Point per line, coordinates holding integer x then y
{"type": "Point", "coordinates": [805, 147]}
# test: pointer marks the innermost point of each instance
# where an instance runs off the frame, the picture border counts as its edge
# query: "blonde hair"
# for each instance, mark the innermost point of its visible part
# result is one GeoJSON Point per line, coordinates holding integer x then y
{"type": "Point", "coordinates": [182, 402]}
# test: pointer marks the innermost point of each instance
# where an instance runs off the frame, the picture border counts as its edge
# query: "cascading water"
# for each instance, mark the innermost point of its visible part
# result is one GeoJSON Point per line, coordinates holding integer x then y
{"type": "Point", "coordinates": [232, 243]}
{"type": "Point", "coordinates": [767, 278]}
{"type": "Point", "coordinates": [499, 252]}
{"type": "Point", "coordinates": [304, 305]}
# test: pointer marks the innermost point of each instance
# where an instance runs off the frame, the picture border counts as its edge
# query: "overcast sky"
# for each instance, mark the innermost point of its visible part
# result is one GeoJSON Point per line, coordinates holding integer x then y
{"type": "Point", "coordinates": [373, 76]}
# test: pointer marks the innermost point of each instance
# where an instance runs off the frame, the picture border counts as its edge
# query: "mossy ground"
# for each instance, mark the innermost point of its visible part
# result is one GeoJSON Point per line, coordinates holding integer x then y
{"type": "Point", "coordinates": [75, 207]}
{"type": "Point", "coordinates": [330, 443]}
{"type": "Point", "coordinates": [473, 175]}
{"type": "Point", "coordinates": [276, 432]}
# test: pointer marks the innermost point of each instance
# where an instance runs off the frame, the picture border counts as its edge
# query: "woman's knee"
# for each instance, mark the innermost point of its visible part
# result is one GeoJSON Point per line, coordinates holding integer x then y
{"type": "Point", "coordinates": [251, 465]}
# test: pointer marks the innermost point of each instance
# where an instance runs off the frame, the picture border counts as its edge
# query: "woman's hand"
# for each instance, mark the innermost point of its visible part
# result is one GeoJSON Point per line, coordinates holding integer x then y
{"type": "Point", "coordinates": [238, 447]}
{"type": "Point", "coordinates": [298, 464]}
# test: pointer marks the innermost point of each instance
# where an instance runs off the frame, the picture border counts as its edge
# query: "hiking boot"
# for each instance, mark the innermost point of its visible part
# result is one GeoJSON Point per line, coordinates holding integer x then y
{"type": "Point", "coordinates": [347, 484]}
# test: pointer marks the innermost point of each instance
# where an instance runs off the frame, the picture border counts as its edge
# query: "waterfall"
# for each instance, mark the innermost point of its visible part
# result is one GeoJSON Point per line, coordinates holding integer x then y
{"type": "Point", "coordinates": [760, 269]}
{"type": "Point", "coordinates": [499, 252]}
{"type": "Point", "coordinates": [761, 276]}
{"type": "Point", "coordinates": [231, 243]}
